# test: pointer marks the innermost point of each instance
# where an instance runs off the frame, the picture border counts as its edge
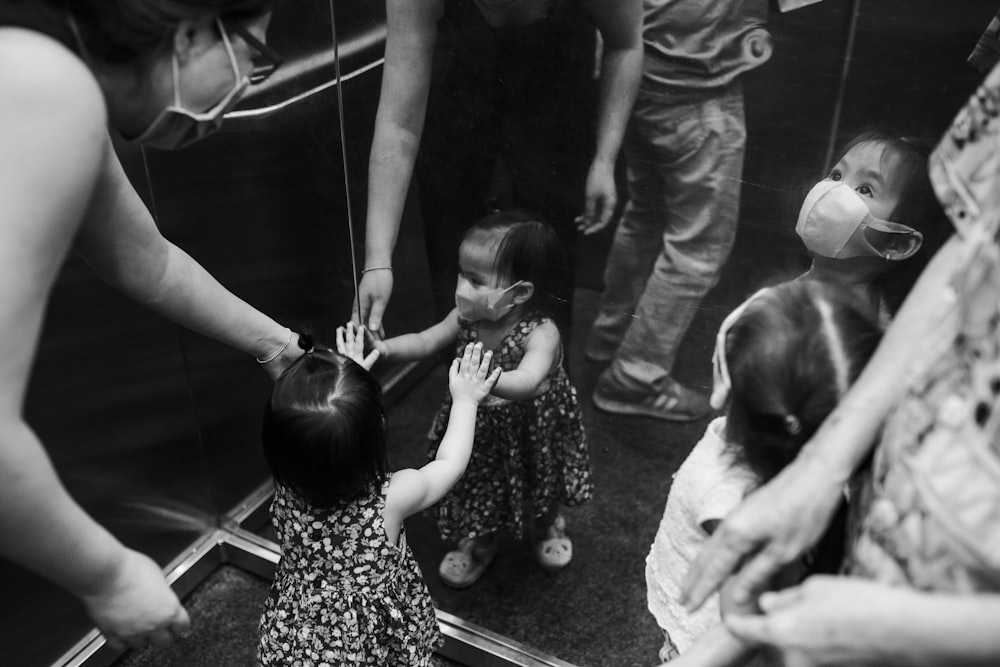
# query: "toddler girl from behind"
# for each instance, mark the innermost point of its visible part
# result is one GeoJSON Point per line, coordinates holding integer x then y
{"type": "Point", "coordinates": [782, 361]}
{"type": "Point", "coordinates": [347, 590]}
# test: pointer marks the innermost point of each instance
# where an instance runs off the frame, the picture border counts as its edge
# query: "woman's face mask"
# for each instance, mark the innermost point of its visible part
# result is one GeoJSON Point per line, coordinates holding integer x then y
{"type": "Point", "coordinates": [177, 127]}
{"type": "Point", "coordinates": [482, 304]}
{"type": "Point", "coordinates": [833, 220]}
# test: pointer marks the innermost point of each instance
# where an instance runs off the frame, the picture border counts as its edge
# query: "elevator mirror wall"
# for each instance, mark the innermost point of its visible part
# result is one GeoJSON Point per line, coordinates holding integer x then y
{"type": "Point", "coordinates": [155, 430]}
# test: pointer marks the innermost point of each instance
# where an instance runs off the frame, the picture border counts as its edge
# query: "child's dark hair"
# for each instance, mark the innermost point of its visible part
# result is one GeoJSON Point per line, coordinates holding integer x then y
{"type": "Point", "coordinates": [791, 356]}
{"type": "Point", "coordinates": [526, 249]}
{"type": "Point", "coordinates": [906, 158]}
{"type": "Point", "coordinates": [324, 429]}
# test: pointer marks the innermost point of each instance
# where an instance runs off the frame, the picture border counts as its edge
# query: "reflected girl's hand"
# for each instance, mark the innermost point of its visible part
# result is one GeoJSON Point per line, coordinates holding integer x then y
{"type": "Point", "coordinates": [351, 344]}
{"type": "Point", "coordinates": [470, 377]}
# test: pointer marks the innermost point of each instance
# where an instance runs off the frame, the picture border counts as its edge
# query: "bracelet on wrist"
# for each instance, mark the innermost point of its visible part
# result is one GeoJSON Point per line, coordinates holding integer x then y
{"type": "Point", "coordinates": [376, 268]}
{"type": "Point", "coordinates": [277, 353]}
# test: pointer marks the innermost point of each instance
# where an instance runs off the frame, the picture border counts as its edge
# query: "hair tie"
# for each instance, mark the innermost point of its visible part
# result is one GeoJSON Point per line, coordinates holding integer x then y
{"type": "Point", "coordinates": [306, 343]}
{"type": "Point", "coordinates": [793, 425]}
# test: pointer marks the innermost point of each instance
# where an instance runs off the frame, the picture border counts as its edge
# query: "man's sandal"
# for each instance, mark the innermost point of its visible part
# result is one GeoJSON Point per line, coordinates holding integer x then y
{"type": "Point", "coordinates": [464, 566]}
{"type": "Point", "coordinates": [556, 550]}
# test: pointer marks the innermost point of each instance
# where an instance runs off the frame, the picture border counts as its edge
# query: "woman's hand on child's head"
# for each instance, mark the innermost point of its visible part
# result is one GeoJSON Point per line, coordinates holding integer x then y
{"type": "Point", "coordinates": [470, 377]}
{"type": "Point", "coordinates": [351, 344]}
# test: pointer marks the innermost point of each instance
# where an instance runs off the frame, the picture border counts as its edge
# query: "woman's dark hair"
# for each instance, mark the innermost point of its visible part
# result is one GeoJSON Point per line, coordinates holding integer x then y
{"type": "Point", "coordinates": [526, 249]}
{"type": "Point", "coordinates": [906, 158]}
{"type": "Point", "coordinates": [791, 356]}
{"type": "Point", "coordinates": [121, 31]}
{"type": "Point", "coordinates": [324, 429]}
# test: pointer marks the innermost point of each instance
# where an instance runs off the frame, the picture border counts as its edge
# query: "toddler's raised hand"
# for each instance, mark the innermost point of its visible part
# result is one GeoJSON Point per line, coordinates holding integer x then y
{"type": "Point", "coordinates": [470, 377]}
{"type": "Point", "coordinates": [351, 344]}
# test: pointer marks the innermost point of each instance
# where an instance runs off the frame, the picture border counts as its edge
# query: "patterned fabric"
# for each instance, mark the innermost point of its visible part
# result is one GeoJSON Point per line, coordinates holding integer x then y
{"type": "Point", "coordinates": [526, 452]}
{"type": "Point", "coordinates": [931, 515]}
{"type": "Point", "coordinates": [343, 595]}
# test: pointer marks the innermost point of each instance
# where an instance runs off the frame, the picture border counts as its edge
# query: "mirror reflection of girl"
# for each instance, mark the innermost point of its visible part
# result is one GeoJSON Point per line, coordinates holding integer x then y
{"type": "Point", "coordinates": [530, 446]}
{"type": "Point", "coordinates": [782, 361]}
{"type": "Point", "coordinates": [347, 589]}
{"type": "Point", "coordinates": [873, 223]}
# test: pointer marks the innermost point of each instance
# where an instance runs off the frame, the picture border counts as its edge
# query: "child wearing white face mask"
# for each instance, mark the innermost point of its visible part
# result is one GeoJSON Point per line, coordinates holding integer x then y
{"type": "Point", "coordinates": [530, 450]}
{"type": "Point", "coordinates": [873, 223]}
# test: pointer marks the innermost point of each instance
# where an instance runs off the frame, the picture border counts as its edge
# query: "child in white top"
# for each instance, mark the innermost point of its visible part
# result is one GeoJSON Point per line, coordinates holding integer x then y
{"type": "Point", "coordinates": [782, 361]}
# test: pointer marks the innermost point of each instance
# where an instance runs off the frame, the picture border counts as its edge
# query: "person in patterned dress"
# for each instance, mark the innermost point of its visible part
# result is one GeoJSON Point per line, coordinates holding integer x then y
{"type": "Point", "coordinates": [924, 572]}
{"type": "Point", "coordinates": [348, 590]}
{"type": "Point", "coordinates": [531, 452]}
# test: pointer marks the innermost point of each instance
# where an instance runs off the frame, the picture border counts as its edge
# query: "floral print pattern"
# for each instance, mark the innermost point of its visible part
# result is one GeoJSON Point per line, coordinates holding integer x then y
{"type": "Point", "coordinates": [526, 453]}
{"type": "Point", "coordinates": [343, 594]}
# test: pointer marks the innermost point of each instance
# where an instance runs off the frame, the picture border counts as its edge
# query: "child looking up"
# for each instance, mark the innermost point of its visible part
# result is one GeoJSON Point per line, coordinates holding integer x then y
{"type": "Point", "coordinates": [347, 590]}
{"type": "Point", "coordinates": [782, 361]}
{"type": "Point", "coordinates": [530, 445]}
{"type": "Point", "coordinates": [873, 223]}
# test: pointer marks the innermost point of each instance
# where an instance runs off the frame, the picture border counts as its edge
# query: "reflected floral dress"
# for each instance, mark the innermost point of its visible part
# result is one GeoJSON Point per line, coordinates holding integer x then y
{"type": "Point", "coordinates": [529, 456]}
{"type": "Point", "coordinates": [343, 594]}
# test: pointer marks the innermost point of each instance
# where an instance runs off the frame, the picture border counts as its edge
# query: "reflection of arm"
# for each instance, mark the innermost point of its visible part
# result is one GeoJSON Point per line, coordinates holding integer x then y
{"type": "Point", "coordinates": [123, 245]}
{"type": "Point", "coordinates": [52, 124]}
{"type": "Point", "coordinates": [540, 352]}
{"type": "Point", "coordinates": [620, 24]}
{"type": "Point", "coordinates": [409, 52]}
{"type": "Point", "coordinates": [423, 343]}
{"type": "Point", "coordinates": [917, 335]}
{"type": "Point", "coordinates": [850, 621]}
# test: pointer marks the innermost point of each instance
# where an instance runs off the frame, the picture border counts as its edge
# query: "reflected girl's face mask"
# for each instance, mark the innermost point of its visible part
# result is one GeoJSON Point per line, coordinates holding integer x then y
{"type": "Point", "coordinates": [176, 126]}
{"type": "Point", "coordinates": [833, 220]}
{"type": "Point", "coordinates": [475, 305]}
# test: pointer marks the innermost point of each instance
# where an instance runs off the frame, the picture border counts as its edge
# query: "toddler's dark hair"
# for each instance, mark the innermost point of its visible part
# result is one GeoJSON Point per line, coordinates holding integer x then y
{"type": "Point", "coordinates": [324, 429]}
{"type": "Point", "coordinates": [791, 356]}
{"type": "Point", "coordinates": [526, 249]}
{"type": "Point", "coordinates": [906, 157]}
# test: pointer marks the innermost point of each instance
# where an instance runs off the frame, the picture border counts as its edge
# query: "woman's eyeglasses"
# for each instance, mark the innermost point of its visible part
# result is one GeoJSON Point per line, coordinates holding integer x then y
{"type": "Point", "coordinates": [265, 60]}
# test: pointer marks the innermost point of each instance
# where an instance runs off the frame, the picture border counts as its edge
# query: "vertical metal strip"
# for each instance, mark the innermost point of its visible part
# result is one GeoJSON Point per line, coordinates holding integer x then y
{"type": "Point", "coordinates": [845, 70]}
{"type": "Point", "coordinates": [343, 154]}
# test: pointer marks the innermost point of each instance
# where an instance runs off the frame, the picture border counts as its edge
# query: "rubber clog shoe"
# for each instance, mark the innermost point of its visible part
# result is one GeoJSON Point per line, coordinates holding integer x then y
{"type": "Point", "coordinates": [464, 566]}
{"type": "Point", "coordinates": [556, 550]}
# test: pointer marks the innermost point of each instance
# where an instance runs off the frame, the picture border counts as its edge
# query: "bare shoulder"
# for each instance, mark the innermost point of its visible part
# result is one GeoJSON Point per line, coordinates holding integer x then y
{"type": "Point", "coordinates": [41, 70]}
{"type": "Point", "coordinates": [546, 334]}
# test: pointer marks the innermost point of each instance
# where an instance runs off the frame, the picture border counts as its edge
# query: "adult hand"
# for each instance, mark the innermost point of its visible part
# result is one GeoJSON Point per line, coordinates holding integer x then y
{"type": "Point", "coordinates": [374, 290]}
{"type": "Point", "coordinates": [136, 607]}
{"type": "Point", "coordinates": [773, 527]}
{"type": "Point", "coordinates": [829, 621]}
{"type": "Point", "coordinates": [602, 198]}
{"type": "Point", "coordinates": [351, 344]}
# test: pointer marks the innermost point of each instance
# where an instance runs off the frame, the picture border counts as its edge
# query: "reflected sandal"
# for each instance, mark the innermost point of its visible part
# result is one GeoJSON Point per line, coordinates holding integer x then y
{"type": "Point", "coordinates": [464, 566]}
{"type": "Point", "coordinates": [555, 551]}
